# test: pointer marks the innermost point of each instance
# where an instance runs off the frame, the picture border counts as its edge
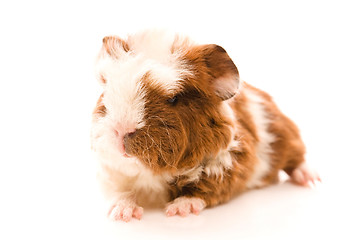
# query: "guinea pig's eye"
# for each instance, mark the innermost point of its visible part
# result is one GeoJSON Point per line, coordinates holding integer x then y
{"type": "Point", "coordinates": [173, 100]}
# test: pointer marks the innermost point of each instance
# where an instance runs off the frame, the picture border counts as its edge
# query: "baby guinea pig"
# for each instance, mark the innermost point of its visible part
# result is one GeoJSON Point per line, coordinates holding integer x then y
{"type": "Point", "coordinates": [175, 128]}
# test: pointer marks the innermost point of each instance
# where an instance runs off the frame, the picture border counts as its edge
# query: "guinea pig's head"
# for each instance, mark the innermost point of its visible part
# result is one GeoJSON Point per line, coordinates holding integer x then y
{"type": "Point", "coordinates": [163, 99]}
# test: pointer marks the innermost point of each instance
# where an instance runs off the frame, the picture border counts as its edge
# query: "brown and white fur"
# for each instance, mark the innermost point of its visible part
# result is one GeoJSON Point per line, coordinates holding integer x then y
{"type": "Point", "coordinates": [176, 128]}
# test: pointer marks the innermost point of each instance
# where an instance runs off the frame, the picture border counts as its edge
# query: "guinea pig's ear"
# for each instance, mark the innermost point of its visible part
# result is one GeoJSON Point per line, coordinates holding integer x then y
{"type": "Point", "coordinates": [115, 46]}
{"type": "Point", "coordinates": [225, 77]}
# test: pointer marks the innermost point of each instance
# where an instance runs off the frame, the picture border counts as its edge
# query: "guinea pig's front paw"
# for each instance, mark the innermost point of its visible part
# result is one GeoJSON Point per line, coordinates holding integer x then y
{"type": "Point", "coordinates": [124, 210]}
{"type": "Point", "coordinates": [185, 205]}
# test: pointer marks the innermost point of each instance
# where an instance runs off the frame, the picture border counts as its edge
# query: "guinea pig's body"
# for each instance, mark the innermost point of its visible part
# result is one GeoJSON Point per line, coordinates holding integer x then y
{"type": "Point", "coordinates": [174, 127]}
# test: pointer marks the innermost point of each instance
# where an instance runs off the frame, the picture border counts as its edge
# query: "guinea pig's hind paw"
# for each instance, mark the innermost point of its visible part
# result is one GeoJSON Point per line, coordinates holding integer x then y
{"type": "Point", "coordinates": [305, 176]}
{"type": "Point", "coordinates": [183, 206]}
{"type": "Point", "coordinates": [125, 211]}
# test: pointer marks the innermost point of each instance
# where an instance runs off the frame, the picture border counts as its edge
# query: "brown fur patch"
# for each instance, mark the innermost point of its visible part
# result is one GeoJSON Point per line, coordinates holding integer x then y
{"type": "Point", "coordinates": [180, 135]}
{"type": "Point", "coordinates": [288, 151]}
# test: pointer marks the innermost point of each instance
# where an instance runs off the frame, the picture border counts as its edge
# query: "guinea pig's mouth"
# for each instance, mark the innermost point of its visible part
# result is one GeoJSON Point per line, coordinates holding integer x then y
{"type": "Point", "coordinates": [126, 155]}
{"type": "Point", "coordinates": [123, 151]}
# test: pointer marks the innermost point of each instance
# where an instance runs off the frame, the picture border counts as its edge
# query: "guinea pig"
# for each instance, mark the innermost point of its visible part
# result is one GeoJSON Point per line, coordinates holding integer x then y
{"type": "Point", "coordinates": [175, 127]}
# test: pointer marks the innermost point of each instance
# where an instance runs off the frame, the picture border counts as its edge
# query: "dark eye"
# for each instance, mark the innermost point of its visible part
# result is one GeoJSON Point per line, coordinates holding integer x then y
{"type": "Point", "coordinates": [173, 100]}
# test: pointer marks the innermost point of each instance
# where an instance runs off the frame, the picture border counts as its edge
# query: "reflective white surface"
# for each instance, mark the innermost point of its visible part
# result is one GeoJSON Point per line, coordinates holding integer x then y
{"type": "Point", "coordinates": [306, 55]}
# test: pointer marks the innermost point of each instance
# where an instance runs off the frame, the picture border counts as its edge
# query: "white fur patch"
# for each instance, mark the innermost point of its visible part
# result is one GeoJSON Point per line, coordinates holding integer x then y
{"type": "Point", "coordinates": [263, 148]}
{"type": "Point", "coordinates": [153, 44]}
{"type": "Point", "coordinates": [227, 111]}
{"type": "Point", "coordinates": [192, 174]}
{"type": "Point", "coordinates": [213, 167]}
{"type": "Point", "coordinates": [218, 165]}
{"type": "Point", "coordinates": [124, 92]}
{"type": "Point", "coordinates": [144, 187]}
{"type": "Point", "coordinates": [154, 51]}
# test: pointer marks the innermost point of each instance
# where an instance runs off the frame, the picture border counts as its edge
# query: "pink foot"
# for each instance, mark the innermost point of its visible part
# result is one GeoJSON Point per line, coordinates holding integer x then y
{"type": "Point", "coordinates": [184, 206]}
{"type": "Point", "coordinates": [305, 176]}
{"type": "Point", "coordinates": [124, 210]}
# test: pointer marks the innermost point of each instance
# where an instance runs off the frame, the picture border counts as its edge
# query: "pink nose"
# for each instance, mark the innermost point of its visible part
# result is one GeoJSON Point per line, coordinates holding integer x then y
{"type": "Point", "coordinates": [122, 133]}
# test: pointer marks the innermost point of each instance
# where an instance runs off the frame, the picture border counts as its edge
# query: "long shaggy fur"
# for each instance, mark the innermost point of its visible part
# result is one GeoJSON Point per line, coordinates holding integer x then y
{"type": "Point", "coordinates": [198, 132]}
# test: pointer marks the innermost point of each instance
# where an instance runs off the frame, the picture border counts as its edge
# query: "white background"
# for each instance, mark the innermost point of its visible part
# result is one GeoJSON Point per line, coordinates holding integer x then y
{"type": "Point", "coordinates": [307, 54]}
